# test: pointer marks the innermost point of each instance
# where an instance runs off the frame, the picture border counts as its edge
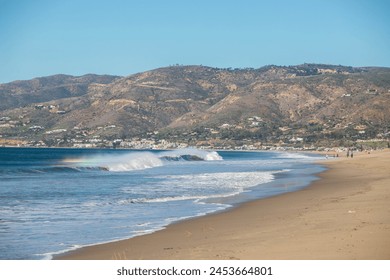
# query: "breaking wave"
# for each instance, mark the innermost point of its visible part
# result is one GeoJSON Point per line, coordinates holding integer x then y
{"type": "Point", "coordinates": [139, 160]}
{"type": "Point", "coordinates": [189, 154]}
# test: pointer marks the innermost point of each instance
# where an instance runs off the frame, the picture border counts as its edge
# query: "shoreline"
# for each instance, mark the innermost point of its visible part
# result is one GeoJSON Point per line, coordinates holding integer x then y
{"type": "Point", "coordinates": [344, 215]}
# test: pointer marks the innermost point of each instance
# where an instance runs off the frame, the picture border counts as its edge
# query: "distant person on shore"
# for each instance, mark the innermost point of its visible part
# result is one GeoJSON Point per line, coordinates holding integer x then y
{"type": "Point", "coordinates": [348, 153]}
{"type": "Point", "coordinates": [351, 154]}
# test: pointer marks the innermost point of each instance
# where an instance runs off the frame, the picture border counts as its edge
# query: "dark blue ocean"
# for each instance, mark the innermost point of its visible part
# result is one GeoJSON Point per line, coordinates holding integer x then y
{"type": "Point", "coordinates": [55, 200]}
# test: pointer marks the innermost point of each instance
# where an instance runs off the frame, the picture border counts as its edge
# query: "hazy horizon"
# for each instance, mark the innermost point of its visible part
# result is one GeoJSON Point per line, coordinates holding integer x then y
{"type": "Point", "coordinates": [182, 65]}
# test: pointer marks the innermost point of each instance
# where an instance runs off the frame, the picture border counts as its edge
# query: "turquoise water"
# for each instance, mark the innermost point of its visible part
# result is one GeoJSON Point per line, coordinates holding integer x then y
{"type": "Point", "coordinates": [55, 200]}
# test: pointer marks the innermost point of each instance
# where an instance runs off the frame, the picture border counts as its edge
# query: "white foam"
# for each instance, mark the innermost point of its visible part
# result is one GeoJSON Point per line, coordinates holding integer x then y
{"type": "Point", "coordinates": [202, 154]}
{"type": "Point", "coordinates": [136, 160]}
{"type": "Point", "coordinates": [228, 180]}
{"type": "Point", "coordinates": [198, 187]}
{"type": "Point", "coordinates": [293, 156]}
{"type": "Point", "coordinates": [213, 156]}
{"type": "Point", "coordinates": [49, 256]}
{"type": "Point", "coordinates": [119, 162]}
{"type": "Point", "coordinates": [133, 161]}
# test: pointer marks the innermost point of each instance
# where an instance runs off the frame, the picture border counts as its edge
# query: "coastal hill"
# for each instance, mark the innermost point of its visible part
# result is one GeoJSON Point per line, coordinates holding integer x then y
{"type": "Point", "coordinates": [21, 93]}
{"type": "Point", "coordinates": [309, 104]}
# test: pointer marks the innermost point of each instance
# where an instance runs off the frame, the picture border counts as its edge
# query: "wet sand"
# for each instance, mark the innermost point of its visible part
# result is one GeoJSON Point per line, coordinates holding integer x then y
{"type": "Point", "coordinates": [344, 215]}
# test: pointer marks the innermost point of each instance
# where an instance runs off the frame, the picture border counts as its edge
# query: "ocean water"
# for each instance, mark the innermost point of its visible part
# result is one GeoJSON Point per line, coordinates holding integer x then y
{"type": "Point", "coordinates": [56, 200]}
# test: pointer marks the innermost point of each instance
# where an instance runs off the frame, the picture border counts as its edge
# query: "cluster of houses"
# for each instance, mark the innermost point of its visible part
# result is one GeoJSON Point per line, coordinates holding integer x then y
{"type": "Point", "coordinates": [52, 108]}
{"type": "Point", "coordinates": [207, 138]}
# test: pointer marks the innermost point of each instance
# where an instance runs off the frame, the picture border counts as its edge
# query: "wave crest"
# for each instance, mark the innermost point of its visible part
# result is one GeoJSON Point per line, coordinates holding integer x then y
{"type": "Point", "coordinates": [140, 160]}
{"type": "Point", "coordinates": [190, 154]}
{"type": "Point", "coordinates": [117, 163]}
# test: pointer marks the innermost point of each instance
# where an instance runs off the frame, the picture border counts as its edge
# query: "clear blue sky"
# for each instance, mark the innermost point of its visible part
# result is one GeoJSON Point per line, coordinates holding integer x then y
{"type": "Point", "coordinates": [40, 38]}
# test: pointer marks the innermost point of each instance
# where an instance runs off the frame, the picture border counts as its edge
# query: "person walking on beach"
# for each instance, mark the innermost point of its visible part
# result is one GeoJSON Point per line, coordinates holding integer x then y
{"type": "Point", "coordinates": [351, 154]}
{"type": "Point", "coordinates": [348, 153]}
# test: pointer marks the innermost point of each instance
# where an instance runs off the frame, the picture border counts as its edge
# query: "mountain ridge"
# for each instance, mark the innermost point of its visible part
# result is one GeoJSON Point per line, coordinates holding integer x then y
{"type": "Point", "coordinates": [315, 102]}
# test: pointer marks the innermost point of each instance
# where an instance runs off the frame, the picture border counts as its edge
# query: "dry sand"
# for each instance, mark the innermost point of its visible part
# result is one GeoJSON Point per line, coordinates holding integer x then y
{"type": "Point", "coordinates": [344, 215]}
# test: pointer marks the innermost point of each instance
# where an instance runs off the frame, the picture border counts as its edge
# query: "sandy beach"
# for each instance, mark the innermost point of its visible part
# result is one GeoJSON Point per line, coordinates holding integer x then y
{"type": "Point", "coordinates": [344, 215]}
